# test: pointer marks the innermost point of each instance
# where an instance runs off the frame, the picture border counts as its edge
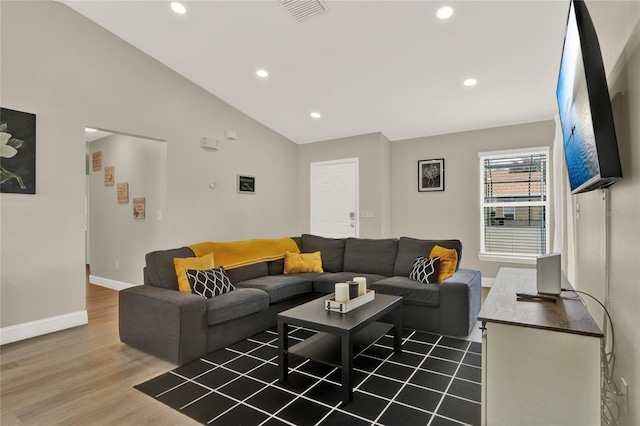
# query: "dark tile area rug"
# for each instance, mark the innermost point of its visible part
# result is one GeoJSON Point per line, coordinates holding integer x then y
{"type": "Point", "coordinates": [434, 381]}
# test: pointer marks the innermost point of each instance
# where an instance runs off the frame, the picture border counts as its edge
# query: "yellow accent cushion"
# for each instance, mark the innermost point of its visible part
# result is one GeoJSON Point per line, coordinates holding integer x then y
{"type": "Point", "coordinates": [195, 263]}
{"type": "Point", "coordinates": [295, 263]}
{"type": "Point", "coordinates": [448, 261]}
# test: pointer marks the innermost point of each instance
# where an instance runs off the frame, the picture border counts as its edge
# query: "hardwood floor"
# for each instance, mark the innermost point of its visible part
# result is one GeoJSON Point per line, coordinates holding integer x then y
{"type": "Point", "coordinates": [81, 376]}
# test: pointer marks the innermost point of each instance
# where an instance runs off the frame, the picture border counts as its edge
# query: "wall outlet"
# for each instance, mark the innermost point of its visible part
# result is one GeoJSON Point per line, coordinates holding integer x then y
{"type": "Point", "coordinates": [116, 265]}
{"type": "Point", "coordinates": [624, 390]}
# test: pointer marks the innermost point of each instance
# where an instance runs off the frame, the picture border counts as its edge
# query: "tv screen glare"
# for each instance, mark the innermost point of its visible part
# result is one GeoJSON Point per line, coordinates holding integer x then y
{"type": "Point", "coordinates": [586, 118]}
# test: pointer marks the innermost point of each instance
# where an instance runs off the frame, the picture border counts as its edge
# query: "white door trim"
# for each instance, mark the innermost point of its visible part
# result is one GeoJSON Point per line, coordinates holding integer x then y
{"type": "Point", "coordinates": [354, 160]}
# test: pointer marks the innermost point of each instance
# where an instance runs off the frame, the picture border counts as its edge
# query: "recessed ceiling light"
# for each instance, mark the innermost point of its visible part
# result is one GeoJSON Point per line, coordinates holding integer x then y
{"type": "Point", "coordinates": [89, 129]}
{"type": "Point", "coordinates": [315, 115]}
{"type": "Point", "coordinates": [470, 82]}
{"type": "Point", "coordinates": [178, 8]}
{"type": "Point", "coordinates": [444, 12]}
{"type": "Point", "coordinates": [262, 73]}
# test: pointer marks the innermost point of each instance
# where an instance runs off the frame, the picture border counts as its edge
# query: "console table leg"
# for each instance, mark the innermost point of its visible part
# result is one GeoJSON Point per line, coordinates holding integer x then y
{"type": "Point", "coordinates": [283, 351]}
{"type": "Point", "coordinates": [347, 368]}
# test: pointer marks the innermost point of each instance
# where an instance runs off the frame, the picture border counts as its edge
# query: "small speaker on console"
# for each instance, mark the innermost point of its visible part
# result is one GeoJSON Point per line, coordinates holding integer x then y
{"type": "Point", "coordinates": [549, 273]}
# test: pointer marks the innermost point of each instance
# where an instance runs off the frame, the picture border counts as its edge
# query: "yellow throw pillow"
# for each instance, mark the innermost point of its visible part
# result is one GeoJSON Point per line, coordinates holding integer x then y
{"type": "Point", "coordinates": [295, 263]}
{"type": "Point", "coordinates": [195, 263]}
{"type": "Point", "coordinates": [448, 261]}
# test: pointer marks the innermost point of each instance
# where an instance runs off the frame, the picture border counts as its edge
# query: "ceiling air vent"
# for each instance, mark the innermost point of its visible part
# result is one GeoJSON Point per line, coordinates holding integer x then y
{"type": "Point", "coordinates": [303, 9]}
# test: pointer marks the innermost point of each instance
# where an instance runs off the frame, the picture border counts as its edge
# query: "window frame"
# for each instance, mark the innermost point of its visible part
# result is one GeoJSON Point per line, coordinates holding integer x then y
{"type": "Point", "coordinates": [521, 258]}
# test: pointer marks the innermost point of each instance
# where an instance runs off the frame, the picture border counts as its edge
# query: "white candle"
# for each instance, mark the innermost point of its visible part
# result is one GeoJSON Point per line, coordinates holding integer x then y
{"type": "Point", "coordinates": [362, 285]}
{"type": "Point", "coordinates": [342, 292]}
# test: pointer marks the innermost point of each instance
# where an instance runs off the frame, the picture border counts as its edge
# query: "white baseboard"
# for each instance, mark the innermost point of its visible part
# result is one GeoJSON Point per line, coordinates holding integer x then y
{"type": "Point", "coordinates": [487, 282]}
{"type": "Point", "coordinates": [27, 330]}
{"type": "Point", "coordinates": [109, 283]}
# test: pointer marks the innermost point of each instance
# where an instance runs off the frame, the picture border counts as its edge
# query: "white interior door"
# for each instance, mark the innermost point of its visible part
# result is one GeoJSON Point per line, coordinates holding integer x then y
{"type": "Point", "coordinates": [334, 198]}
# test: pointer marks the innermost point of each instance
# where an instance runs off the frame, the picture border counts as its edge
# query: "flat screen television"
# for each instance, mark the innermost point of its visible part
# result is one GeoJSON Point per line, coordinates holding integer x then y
{"type": "Point", "coordinates": [586, 118]}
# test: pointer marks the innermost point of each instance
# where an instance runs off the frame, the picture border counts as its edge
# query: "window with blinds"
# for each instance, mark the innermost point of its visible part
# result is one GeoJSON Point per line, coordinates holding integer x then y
{"type": "Point", "coordinates": [514, 203]}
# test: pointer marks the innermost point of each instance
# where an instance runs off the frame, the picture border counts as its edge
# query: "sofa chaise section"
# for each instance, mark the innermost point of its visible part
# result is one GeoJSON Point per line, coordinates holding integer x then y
{"type": "Point", "coordinates": [451, 307]}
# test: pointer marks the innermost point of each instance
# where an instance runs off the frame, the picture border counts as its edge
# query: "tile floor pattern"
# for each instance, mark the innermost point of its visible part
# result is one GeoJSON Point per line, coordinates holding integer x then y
{"type": "Point", "coordinates": [434, 381]}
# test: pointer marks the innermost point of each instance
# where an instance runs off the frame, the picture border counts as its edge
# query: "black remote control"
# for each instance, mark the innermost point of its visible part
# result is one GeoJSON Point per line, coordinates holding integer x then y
{"type": "Point", "coordinates": [528, 296]}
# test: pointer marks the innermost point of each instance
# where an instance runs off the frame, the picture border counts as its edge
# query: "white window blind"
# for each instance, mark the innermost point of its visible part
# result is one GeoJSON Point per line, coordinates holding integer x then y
{"type": "Point", "coordinates": [514, 203]}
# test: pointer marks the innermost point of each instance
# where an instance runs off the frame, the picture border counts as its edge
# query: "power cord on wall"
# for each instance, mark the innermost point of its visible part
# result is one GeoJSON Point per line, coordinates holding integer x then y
{"type": "Point", "coordinates": [608, 390]}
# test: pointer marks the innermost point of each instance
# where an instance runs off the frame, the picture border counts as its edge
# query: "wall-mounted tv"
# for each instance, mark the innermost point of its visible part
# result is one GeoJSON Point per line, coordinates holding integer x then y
{"type": "Point", "coordinates": [590, 144]}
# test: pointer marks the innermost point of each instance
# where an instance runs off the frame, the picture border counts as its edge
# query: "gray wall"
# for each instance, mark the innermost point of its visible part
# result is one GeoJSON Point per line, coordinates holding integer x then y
{"type": "Point", "coordinates": [620, 219]}
{"type": "Point", "coordinates": [372, 150]}
{"type": "Point", "coordinates": [72, 73]}
{"type": "Point", "coordinates": [454, 212]}
{"type": "Point", "coordinates": [114, 86]}
{"type": "Point", "coordinates": [115, 235]}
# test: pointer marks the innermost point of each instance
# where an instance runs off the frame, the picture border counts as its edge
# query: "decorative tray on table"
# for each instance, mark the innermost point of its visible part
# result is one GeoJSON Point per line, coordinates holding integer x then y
{"type": "Point", "coordinates": [343, 307]}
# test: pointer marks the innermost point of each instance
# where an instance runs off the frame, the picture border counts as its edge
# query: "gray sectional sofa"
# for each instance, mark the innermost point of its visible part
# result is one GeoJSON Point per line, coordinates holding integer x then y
{"type": "Point", "coordinates": [181, 327]}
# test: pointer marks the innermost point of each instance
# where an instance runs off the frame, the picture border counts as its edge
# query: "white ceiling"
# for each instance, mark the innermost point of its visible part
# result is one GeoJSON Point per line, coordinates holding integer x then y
{"type": "Point", "coordinates": [94, 134]}
{"type": "Point", "coordinates": [366, 66]}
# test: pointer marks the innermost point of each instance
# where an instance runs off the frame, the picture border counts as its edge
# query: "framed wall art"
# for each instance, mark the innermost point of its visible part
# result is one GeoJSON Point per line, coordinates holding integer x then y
{"type": "Point", "coordinates": [96, 161]}
{"type": "Point", "coordinates": [109, 175]}
{"type": "Point", "coordinates": [138, 207]}
{"type": "Point", "coordinates": [123, 192]}
{"type": "Point", "coordinates": [17, 152]}
{"type": "Point", "coordinates": [431, 175]}
{"type": "Point", "coordinates": [246, 184]}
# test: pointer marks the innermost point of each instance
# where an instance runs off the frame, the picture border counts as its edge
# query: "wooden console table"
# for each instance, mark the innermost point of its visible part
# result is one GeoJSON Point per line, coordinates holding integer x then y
{"type": "Point", "coordinates": [540, 360]}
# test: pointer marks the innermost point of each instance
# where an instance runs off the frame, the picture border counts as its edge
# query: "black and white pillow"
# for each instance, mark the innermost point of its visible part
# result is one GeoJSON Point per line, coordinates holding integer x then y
{"type": "Point", "coordinates": [209, 283]}
{"type": "Point", "coordinates": [425, 270]}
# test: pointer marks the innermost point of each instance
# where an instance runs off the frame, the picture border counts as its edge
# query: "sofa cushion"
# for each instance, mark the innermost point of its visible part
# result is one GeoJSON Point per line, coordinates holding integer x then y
{"type": "Point", "coordinates": [426, 270]}
{"type": "Point", "coordinates": [412, 292]}
{"type": "Point", "coordinates": [371, 256]}
{"type": "Point", "coordinates": [325, 283]}
{"type": "Point", "coordinates": [248, 272]}
{"type": "Point", "coordinates": [160, 270]}
{"type": "Point", "coordinates": [209, 283]}
{"type": "Point", "coordinates": [279, 287]}
{"type": "Point", "coordinates": [331, 250]}
{"type": "Point", "coordinates": [410, 248]}
{"type": "Point", "coordinates": [236, 304]}
{"type": "Point", "coordinates": [448, 262]}
{"type": "Point", "coordinates": [194, 263]}
{"type": "Point", "coordinates": [295, 263]}
{"type": "Point", "coordinates": [275, 267]}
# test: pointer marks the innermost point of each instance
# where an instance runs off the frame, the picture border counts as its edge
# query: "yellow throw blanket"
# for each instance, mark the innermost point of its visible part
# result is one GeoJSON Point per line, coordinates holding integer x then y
{"type": "Point", "coordinates": [235, 254]}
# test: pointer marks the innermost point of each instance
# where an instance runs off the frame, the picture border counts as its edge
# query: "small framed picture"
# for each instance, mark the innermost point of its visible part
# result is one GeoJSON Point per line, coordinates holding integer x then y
{"type": "Point", "coordinates": [109, 175]}
{"type": "Point", "coordinates": [96, 160]}
{"type": "Point", "coordinates": [246, 184]}
{"type": "Point", "coordinates": [431, 175]}
{"type": "Point", "coordinates": [138, 207]}
{"type": "Point", "coordinates": [123, 192]}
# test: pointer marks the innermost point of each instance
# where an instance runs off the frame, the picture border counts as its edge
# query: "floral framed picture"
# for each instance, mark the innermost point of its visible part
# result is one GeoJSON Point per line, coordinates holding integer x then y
{"type": "Point", "coordinates": [431, 175]}
{"type": "Point", "coordinates": [18, 152]}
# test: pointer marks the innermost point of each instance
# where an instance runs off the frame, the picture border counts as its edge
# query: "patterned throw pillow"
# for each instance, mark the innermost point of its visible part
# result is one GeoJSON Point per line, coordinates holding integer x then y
{"type": "Point", "coordinates": [425, 270]}
{"type": "Point", "coordinates": [209, 283]}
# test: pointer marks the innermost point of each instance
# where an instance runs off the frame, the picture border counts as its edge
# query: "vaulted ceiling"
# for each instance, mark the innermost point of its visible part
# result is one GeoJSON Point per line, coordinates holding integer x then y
{"type": "Point", "coordinates": [365, 66]}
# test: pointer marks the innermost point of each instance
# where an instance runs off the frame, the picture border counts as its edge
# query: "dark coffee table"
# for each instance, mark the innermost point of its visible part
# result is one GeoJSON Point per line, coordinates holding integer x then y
{"type": "Point", "coordinates": [339, 336]}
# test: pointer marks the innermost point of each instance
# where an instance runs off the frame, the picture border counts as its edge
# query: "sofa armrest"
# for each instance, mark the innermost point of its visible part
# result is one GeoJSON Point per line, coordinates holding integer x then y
{"type": "Point", "coordinates": [165, 323]}
{"type": "Point", "coordinates": [460, 298]}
